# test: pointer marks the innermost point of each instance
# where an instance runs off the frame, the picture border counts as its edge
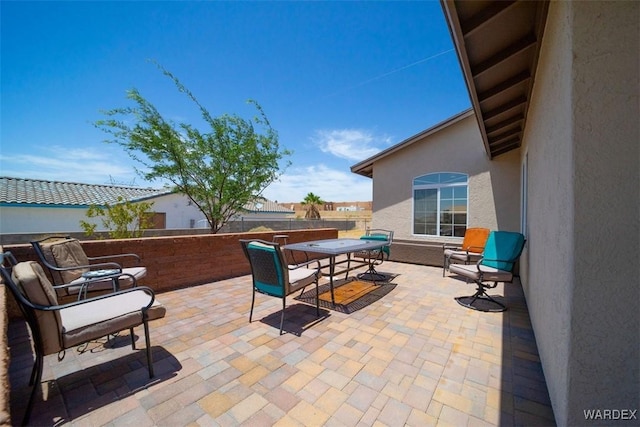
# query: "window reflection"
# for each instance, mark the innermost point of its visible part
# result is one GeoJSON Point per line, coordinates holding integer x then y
{"type": "Point", "coordinates": [440, 204]}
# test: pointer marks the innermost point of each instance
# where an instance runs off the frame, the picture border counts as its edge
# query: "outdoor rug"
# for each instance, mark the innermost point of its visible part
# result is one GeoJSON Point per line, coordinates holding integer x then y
{"type": "Point", "coordinates": [350, 295]}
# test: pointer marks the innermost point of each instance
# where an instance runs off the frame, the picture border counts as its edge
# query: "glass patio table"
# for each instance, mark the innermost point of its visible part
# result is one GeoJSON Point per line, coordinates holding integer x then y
{"type": "Point", "coordinates": [333, 248]}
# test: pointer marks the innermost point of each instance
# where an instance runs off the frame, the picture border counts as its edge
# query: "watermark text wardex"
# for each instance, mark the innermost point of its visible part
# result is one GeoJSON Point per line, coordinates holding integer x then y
{"type": "Point", "coordinates": [610, 414]}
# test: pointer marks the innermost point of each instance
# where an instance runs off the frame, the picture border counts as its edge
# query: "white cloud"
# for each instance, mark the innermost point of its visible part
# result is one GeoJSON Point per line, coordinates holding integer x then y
{"type": "Point", "coordinates": [330, 185]}
{"type": "Point", "coordinates": [83, 165]}
{"type": "Point", "coordinates": [350, 144]}
{"type": "Point", "coordinates": [101, 165]}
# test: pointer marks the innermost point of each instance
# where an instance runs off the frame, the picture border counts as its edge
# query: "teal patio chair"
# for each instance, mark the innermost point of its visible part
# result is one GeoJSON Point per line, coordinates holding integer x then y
{"type": "Point", "coordinates": [375, 257]}
{"type": "Point", "coordinates": [501, 252]}
{"type": "Point", "coordinates": [272, 276]}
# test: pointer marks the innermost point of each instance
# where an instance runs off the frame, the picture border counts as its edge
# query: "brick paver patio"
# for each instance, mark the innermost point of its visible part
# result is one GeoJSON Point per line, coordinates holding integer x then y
{"type": "Point", "coordinates": [414, 357]}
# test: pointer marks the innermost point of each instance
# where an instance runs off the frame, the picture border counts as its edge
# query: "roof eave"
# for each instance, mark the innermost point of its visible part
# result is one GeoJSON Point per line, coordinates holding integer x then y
{"type": "Point", "coordinates": [498, 45]}
{"type": "Point", "coordinates": [455, 30]}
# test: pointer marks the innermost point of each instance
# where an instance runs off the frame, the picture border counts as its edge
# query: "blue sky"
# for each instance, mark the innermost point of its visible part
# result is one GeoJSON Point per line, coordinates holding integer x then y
{"type": "Point", "coordinates": [339, 81]}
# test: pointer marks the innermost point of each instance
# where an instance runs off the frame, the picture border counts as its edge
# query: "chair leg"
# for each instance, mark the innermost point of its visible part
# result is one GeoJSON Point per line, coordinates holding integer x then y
{"type": "Point", "coordinates": [148, 344]}
{"type": "Point", "coordinates": [133, 339]}
{"type": "Point", "coordinates": [371, 272]}
{"type": "Point", "coordinates": [38, 366]}
{"type": "Point", "coordinates": [284, 304]}
{"type": "Point", "coordinates": [253, 300]}
{"type": "Point", "coordinates": [34, 371]}
{"type": "Point", "coordinates": [481, 294]}
{"type": "Point", "coordinates": [444, 265]}
{"type": "Point", "coordinates": [317, 299]}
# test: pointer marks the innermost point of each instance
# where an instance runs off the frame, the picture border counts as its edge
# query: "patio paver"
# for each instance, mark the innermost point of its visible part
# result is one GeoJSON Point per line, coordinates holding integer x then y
{"type": "Point", "coordinates": [414, 357]}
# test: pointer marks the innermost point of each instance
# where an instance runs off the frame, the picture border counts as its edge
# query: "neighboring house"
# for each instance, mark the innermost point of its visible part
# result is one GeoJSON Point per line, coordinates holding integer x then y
{"type": "Point", "coordinates": [37, 206]}
{"type": "Point", "coordinates": [265, 209]}
{"type": "Point", "coordinates": [551, 149]}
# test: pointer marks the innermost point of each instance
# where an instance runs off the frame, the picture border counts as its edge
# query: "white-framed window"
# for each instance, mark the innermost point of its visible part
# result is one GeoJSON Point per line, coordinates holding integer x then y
{"type": "Point", "coordinates": [440, 204]}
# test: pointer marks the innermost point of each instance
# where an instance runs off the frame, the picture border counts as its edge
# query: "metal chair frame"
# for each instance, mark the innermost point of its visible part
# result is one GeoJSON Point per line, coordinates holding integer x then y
{"type": "Point", "coordinates": [30, 309]}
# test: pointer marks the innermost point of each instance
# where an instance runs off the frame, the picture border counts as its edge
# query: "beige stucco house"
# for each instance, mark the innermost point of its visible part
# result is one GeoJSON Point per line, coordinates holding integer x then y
{"type": "Point", "coordinates": [450, 151]}
{"type": "Point", "coordinates": [551, 148]}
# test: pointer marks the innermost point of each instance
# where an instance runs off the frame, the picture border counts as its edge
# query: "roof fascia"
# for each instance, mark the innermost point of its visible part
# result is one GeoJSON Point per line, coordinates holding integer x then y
{"type": "Point", "coordinates": [41, 205]}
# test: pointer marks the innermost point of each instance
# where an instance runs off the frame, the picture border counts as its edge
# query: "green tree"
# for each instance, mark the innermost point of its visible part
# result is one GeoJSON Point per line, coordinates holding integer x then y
{"type": "Point", "coordinates": [220, 170]}
{"type": "Point", "coordinates": [312, 201]}
{"type": "Point", "coordinates": [123, 220]}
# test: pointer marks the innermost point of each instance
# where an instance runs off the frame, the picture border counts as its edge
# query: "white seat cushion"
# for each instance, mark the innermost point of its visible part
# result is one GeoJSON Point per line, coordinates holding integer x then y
{"type": "Point", "coordinates": [489, 274]}
{"type": "Point", "coordinates": [301, 277]}
{"type": "Point", "coordinates": [462, 255]}
{"type": "Point", "coordinates": [100, 317]}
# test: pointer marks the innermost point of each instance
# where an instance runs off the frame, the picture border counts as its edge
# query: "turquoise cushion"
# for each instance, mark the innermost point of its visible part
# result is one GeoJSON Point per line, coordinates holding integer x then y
{"type": "Point", "coordinates": [264, 264]}
{"type": "Point", "coordinates": [380, 237]}
{"type": "Point", "coordinates": [502, 249]}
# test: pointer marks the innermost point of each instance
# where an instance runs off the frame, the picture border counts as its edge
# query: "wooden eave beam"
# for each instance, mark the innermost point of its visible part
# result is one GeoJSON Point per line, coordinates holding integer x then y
{"type": "Point", "coordinates": [516, 102]}
{"type": "Point", "coordinates": [483, 17]}
{"type": "Point", "coordinates": [524, 43]}
{"type": "Point", "coordinates": [505, 123]}
{"type": "Point", "coordinates": [505, 85]}
{"type": "Point", "coordinates": [503, 136]}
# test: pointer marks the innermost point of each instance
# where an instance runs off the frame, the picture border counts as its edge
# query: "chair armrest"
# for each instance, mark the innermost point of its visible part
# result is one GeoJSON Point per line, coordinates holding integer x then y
{"type": "Point", "coordinates": [481, 249]}
{"type": "Point", "coordinates": [478, 264]}
{"type": "Point", "coordinates": [451, 246]}
{"type": "Point", "coordinates": [94, 280]}
{"type": "Point", "coordinates": [100, 266]}
{"type": "Point", "coordinates": [105, 257]}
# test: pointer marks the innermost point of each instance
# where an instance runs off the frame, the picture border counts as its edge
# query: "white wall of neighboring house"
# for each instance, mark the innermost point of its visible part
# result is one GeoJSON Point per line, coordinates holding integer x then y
{"type": "Point", "coordinates": [180, 212]}
{"type": "Point", "coordinates": [36, 219]}
{"type": "Point", "coordinates": [42, 219]}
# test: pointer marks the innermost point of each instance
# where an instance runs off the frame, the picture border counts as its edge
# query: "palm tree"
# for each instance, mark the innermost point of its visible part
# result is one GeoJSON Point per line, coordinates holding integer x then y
{"type": "Point", "coordinates": [312, 202]}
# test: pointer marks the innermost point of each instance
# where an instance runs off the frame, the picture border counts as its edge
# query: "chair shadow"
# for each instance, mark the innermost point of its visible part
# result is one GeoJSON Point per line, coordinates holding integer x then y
{"type": "Point", "coordinates": [380, 289]}
{"type": "Point", "coordinates": [297, 318]}
{"type": "Point", "coordinates": [480, 304]}
{"type": "Point", "coordinates": [77, 393]}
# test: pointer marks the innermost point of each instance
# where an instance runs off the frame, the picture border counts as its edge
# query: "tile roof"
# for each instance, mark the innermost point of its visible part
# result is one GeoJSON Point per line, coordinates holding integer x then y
{"type": "Point", "coordinates": [266, 206]}
{"type": "Point", "coordinates": [38, 192]}
{"type": "Point", "coordinates": [34, 191]}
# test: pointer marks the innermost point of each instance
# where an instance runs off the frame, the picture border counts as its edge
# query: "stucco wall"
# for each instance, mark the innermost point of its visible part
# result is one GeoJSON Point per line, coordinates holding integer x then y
{"type": "Point", "coordinates": [40, 219]}
{"type": "Point", "coordinates": [493, 185]}
{"type": "Point", "coordinates": [580, 268]}
{"type": "Point", "coordinates": [43, 219]}
{"type": "Point", "coordinates": [546, 262]}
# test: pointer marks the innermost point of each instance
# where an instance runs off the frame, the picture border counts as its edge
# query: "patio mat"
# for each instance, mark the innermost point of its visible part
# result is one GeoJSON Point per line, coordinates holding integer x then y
{"type": "Point", "coordinates": [350, 296]}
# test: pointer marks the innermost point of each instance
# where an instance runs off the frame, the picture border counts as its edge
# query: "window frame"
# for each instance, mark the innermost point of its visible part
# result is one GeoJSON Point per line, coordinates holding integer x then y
{"type": "Point", "coordinates": [524, 195]}
{"type": "Point", "coordinates": [438, 186]}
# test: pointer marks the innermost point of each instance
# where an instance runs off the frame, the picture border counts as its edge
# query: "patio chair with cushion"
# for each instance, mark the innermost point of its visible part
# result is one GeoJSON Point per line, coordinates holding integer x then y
{"type": "Point", "coordinates": [469, 252]}
{"type": "Point", "coordinates": [272, 276]}
{"type": "Point", "coordinates": [375, 257]}
{"type": "Point", "coordinates": [69, 264]}
{"type": "Point", "coordinates": [501, 253]}
{"type": "Point", "coordinates": [55, 327]}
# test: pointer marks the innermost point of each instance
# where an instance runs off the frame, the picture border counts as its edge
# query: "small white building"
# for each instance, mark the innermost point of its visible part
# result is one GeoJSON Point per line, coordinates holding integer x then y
{"type": "Point", "coordinates": [38, 206]}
